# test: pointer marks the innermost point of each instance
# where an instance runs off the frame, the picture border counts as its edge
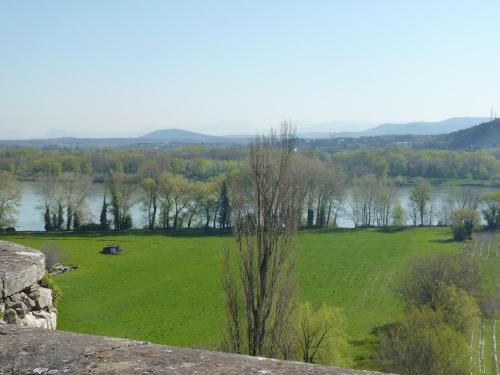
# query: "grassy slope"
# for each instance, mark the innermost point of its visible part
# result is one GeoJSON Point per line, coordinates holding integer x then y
{"type": "Point", "coordinates": [166, 289]}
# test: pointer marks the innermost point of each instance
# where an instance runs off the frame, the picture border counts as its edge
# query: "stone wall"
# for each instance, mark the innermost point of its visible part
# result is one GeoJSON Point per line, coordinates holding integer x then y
{"type": "Point", "coordinates": [23, 301]}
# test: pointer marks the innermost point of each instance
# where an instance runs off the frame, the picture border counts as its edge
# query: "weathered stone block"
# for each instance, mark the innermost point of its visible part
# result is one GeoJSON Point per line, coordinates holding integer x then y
{"type": "Point", "coordinates": [20, 267]}
{"type": "Point", "coordinates": [44, 299]}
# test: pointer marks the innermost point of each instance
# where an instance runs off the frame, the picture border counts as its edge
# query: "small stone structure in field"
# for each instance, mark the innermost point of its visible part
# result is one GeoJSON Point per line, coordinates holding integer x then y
{"type": "Point", "coordinates": [111, 250]}
{"type": "Point", "coordinates": [23, 301]}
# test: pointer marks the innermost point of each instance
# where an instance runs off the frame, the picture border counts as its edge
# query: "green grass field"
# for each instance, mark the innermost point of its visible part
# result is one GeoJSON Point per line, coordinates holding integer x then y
{"type": "Point", "coordinates": [166, 289]}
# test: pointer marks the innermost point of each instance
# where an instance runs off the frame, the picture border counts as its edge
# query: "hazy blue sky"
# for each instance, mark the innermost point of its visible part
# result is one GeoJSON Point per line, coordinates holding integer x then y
{"type": "Point", "coordinates": [128, 66]}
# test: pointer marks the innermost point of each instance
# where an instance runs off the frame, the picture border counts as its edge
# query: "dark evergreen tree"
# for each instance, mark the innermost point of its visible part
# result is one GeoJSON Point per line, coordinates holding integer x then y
{"type": "Point", "coordinates": [69, 215]}
{"type": "Point", "coordinates": [46, 218]}
{"type": "Point", "coordinates": [321, 218]}
{"type": "Point", "coordinates": [76, 220]}
{"type": "Point", "coordinates": [126, 223]}
{"type": "Point", "coordinates": [60, 216]}
{"type": "Point", "coordinates": [310, 217]}
{"type": "Point", "coordinates": [53, 225]}
{"type": "Point", "coordinates": [224, 207]}
{"type": "Point", "coordinates": [103, 219]}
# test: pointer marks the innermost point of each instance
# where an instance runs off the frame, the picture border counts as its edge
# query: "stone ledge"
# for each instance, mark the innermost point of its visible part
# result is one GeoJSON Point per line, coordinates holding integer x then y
{"type": "Point", "coordinates": [20, 267]}
{"type": "Point", "coordinates": [36, 351]}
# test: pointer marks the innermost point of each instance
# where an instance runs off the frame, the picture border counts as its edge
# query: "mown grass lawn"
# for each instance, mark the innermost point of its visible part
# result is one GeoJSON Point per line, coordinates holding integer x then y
{"type": "Point", "coordinates": [166, 289]}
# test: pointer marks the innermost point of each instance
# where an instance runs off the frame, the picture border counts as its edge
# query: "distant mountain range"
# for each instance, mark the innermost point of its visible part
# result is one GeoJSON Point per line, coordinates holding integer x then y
{"type": "Point", "coordinates": [179, 136]}
{"type": "Point", "coordinates": [160, 137]}
{"type": "Point", "coordinates": [412, 128]}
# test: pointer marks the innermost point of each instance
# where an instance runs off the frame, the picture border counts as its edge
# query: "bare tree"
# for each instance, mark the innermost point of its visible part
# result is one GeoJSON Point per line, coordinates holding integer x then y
{"type": "Point", "coordinates": [363, 199]}
{"type": "Point", "coordinates": [150, 199]}
{"type": "Point", "coordinates": [385, 200]}
{"type": "Point", "coordinates": [10, 197]}
{"type": "Point", "coordinates": [264, 228]}
{"type": "Point", "coordinates": [121, 191]}
{"type": "Point", "coordinates": [46, 189]}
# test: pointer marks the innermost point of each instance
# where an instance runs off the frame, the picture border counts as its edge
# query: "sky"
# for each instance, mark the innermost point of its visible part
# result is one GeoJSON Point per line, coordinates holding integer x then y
{"type": "Point", "coordinates": [239, 67]}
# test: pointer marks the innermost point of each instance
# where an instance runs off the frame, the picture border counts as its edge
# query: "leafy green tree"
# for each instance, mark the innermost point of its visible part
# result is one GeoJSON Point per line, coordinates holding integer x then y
{"type": "Point", "coordinates": [460, 310]}
{"type": "Point", "coordinates": [420, 195]}
{"type": "Point", "coordinates": [491, 212]}
{"type": "Point", "coordinates": [422, 343]}
{"type": "Point", "coordinates": [423, 281]}
{"type": "Point", "coordinates": [398, 216]}
{"type": "Point", "coordinates": [321, 336]}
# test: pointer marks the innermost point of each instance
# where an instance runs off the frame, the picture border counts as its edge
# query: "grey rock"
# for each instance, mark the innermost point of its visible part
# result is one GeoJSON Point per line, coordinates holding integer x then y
{"type": "Point", "coordinates": [30, 303]}
{"type": "Point", "coordinates": [20, 267]}
{"type": "Point", "coordinates": [63, 351]}
{"type": "Point", "coordinates": [40, 370]}
{"type": "Point", "coordinates": [10, 316]}
{"type": "Point", "coordinates": [15, 298]}
{"type": "Point", "coordinates": [21, 309]}
{"type": "Point", "coordinates": [44, 299]}
{"type": "Point", "coordinates": [2, 307]}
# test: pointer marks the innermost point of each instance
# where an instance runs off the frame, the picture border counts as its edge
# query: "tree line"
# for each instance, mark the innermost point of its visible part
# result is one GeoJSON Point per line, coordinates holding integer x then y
{"type": "Point", "coordinates": [202, 163]}
{"type": "Point", "coordinates": [173, 201]}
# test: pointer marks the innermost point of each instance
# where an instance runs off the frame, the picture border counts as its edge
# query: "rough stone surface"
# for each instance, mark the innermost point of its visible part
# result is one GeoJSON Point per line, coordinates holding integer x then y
{"type": "Point", "coordinates": [10, 316]}
{"type": "Point", "coordinates": [35, 351]}
{"type": "Point", "coordinates": [20, 267]}
{"type": "Point", "coordinates": [22, 300]}
{"type": "Point", "coordinates": [45, 298]}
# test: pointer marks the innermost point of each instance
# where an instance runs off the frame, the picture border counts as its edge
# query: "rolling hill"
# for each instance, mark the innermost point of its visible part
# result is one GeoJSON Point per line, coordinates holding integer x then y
{"type": "Point", "coordinates": [481, 136]}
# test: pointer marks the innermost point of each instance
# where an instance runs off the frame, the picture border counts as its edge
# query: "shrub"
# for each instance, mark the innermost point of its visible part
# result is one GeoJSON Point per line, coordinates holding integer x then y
{"type": "Point", "coordinates": [463, 222]}
{"type": "Point", "coordinates": [422, 343]}
{"type": "Point", "coordinates": [90, 227]}
{"type": "Point", "coordinates": [459, 308]}
{"type": "Point", "coordinates": [49, 282]}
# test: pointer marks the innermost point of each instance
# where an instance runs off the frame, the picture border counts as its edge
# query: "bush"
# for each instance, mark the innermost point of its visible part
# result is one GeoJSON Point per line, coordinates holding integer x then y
{"type": "Point", "coordinates": [422, 343]}
{"type": "Point", "coordinates": [10, 230]}
{"type": "Point", "coordinates": [459, 308]}
{"type": "Point", "coordinates": [463, 222]}
{"type": "Point", "coordinates": [90, 227]}
{"type": "Point", "coordinates": [49, 282]}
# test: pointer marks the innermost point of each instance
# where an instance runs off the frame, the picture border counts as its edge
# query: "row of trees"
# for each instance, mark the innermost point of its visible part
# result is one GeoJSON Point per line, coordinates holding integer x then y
{"type": "Point", "coordinates": [169, 201]}
{"type": "Point", "coordinates": [480, 165]}
{"type": "Point", "coordinates": [193, 162]}
{"type": "Point", "coordinates": [64, 200]}
{"type": "Point", "coordinates": [203, 163]}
